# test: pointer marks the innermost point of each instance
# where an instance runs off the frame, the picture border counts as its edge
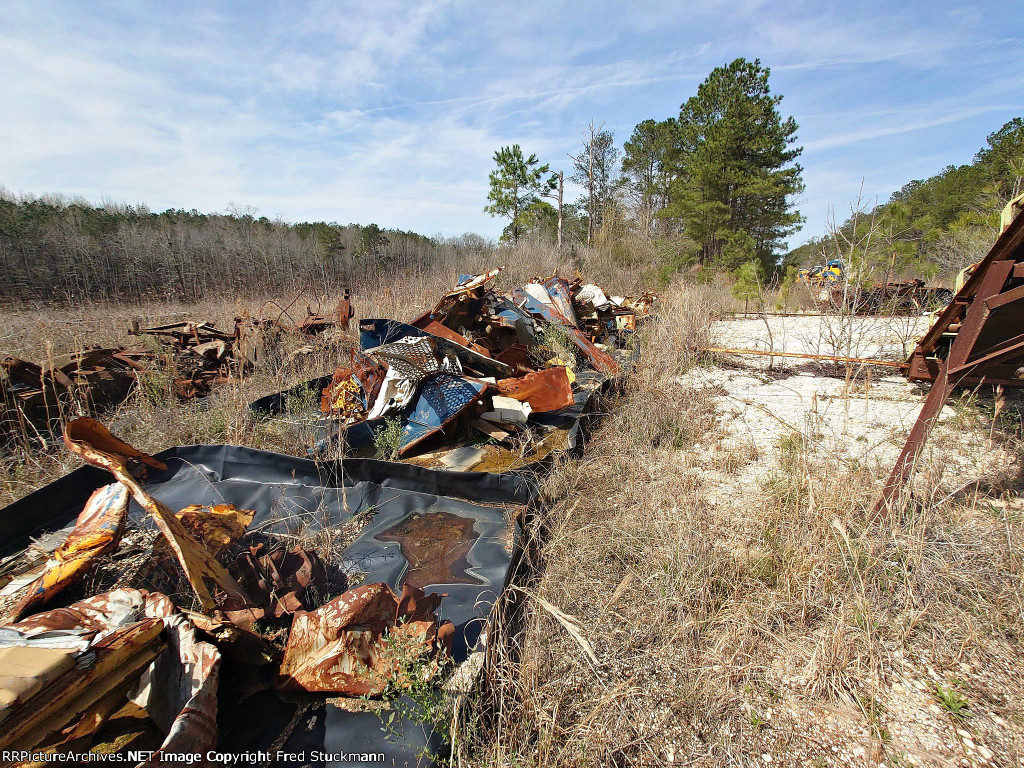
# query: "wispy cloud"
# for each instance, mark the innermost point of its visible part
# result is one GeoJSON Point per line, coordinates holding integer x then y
{"type": "Point", "coordinates": [390, 112]}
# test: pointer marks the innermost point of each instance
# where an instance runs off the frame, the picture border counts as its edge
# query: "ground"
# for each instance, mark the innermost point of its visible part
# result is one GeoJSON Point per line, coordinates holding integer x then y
{"type": "Point", "coordinates": [716, 549]}
{"type": "Point", "coordinates": [713, 548]}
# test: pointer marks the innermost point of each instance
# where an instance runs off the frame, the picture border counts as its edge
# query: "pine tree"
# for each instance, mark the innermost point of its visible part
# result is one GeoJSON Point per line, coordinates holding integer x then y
{"type": "Point", "coordinates": [516, 185]}
{"type": "Point", "coordinates": [733, 168]}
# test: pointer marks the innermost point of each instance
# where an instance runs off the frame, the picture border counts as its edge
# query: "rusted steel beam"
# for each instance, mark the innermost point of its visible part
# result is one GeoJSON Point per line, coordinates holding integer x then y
{"type": "Point", "coordinates": [980, 333]}
{"type": "Point", "coordinates": [806, 356]}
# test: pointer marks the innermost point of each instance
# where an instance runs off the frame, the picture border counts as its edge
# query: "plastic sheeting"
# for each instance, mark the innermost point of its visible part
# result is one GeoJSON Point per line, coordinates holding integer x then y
{"type": "Point", "coordinates": [287, 493]}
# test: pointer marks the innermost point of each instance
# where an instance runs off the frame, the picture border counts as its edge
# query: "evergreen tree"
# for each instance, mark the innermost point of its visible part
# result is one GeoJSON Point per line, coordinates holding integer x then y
{"type": "Point", "coordinates": [733, 168]}
{"type": "Point", "coordinates": [645, 175]}
{"type": "Point", "coordinates": [516, 185]}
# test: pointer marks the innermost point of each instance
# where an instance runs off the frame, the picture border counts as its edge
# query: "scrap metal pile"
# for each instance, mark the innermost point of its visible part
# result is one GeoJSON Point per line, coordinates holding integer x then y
{"type": "Point", "coordinates": [141, 628]}
{"type": "Point", "coordinates": [205, 583]}
{"type": "Point", "coordinates": [480, 368]}
{"type": "Point", "coordinates": [830, 287]}
{"type": "Point", "coordinates": [33, 397]}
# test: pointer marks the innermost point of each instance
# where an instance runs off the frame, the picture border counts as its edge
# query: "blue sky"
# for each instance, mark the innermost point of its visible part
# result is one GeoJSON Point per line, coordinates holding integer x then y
{"type": "Point", "coordinates": [390, 112]}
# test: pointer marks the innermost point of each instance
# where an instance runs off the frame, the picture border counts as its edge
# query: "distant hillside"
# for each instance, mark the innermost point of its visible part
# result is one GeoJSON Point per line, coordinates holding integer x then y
{"type": "Point", "coordinates": [52, 248]}
{"type": "Point", "coordinates": [934, 226]}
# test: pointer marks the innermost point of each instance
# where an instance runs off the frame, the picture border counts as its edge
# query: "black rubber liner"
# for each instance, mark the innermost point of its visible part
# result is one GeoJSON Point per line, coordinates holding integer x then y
{"type": "Point", "coordinates": [287, 492]}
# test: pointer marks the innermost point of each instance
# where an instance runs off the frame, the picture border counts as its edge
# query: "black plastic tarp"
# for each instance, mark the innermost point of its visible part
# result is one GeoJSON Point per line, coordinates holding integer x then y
{"type": "Point", "coordinates": [288, 493]}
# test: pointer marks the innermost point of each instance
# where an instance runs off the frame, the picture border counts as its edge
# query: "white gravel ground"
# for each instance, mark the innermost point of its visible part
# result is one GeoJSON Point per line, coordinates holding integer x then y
{"type": "Point", "coordinates": [864, 419]}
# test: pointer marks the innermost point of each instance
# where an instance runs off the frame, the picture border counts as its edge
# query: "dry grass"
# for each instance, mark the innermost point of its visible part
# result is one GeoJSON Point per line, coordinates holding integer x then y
{"type": "Point", "coordinates": [153, 420]}
{"type": "Point", "coordinates": [787, 624]}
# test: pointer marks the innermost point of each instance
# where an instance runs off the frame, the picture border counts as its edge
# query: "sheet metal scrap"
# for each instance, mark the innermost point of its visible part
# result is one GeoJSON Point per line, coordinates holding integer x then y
{"type": "Point", "coordinates": [363, 641]}
{"type": "Point", "coordinates": [217, 525]}
{"type": "Point", "coordinates": [94, 443]}
{"type": "Point", "coordinates": [978, 338]}
{"type": "Point", "coordinates": [96, 533]}
{"type": "Point", "coordinates": [52, 679]}
{"type": "Point", "coordinates": [532, 299]}
{"type": "Point", "coordinates": [91, 378]}
{"type": "Point", "coordinates": [281, 582]}
{"type": "Point", "coordinates": [73, 668]}
{"type": "Point", "coordinates": [547, 390]}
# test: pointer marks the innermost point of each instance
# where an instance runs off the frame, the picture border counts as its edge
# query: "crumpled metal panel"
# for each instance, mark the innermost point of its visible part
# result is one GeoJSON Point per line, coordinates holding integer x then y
{"type": "Point", "coordinates": [279, 581]}
{"type": "Point", "coordinates": [175, 682]}
{"type": "Point", "coordinates": [123, 642]}
{"type": "Point", "coordinates": [97, 532]}
{"type": "Point", "coordinates": [561, 296]}
{"type": "Point", "coordinates": [546, 390]}
{"type": "Point", "coordinates": [601, 360]}
{"type": "Point", "coordinates": [358, 643]}
{"type": "Point", "coordinates": [94, 443]}
{"type": "Point", "coordinates": [215, 525]}
{"type": "Point", "coordinates": [179, 691]}
{"type": "Point", "coordinates": [441, 398]}
{"type": "Point", "coordinates": [374, 332]}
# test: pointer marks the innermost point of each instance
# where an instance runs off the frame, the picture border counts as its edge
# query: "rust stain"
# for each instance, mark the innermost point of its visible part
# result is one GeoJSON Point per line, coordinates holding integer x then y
{"type": "Point", "coordinates": [436, 545]}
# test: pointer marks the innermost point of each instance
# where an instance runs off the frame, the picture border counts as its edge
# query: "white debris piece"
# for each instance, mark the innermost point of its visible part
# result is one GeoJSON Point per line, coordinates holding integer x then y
{"type": "Point", "coordinates": [593, 295]}
{"type": "Point", "coordinates": [508, 410]}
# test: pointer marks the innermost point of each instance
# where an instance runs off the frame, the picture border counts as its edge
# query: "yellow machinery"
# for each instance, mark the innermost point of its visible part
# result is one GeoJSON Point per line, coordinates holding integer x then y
{"type": "Point", "coordinates": [819, 277]}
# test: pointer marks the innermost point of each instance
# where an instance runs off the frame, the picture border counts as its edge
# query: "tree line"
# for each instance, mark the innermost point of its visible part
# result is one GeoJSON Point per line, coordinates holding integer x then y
{"type": "Point", "coordinates": [55, 249]}
{"type": "Point", "coordinates": [717, 181]}
{"type": "Point", "coordinates": [930, 227]}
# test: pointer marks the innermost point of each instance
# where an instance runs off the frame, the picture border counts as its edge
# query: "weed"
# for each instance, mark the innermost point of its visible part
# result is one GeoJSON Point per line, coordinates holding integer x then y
{"type": "Point", "coordinates": [388, 439]}
{"type": "Point", "coordinates": [954, 702]}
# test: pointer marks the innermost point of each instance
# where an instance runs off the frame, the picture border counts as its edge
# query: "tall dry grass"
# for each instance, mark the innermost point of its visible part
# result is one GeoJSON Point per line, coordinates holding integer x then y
{"type": "Point", "coordinates": [787, 623]}
{"type": "Point", "coordinates": [152, 419]}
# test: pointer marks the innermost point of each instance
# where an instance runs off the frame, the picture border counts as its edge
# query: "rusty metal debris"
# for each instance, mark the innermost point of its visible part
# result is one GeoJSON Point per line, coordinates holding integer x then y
{"type": "Point", "coordinates": [67, 673]}
{"type": "Point", "coordinates": [97, 532]}
{"type": "Point", "coordinates": [806, 356]}
{"type": "Point", "coordinates": [440, 372]}
{"type": "Point", "coordinates": [203, 355]}
{"type": "Point", "coordinates": [280, 582]}
{"type": "Point", "coordinates": [977, 339]}
{"type": "Point", "coordinates": [36, 396]}
{"type": "Point", "coordinates": [94, 443]}
{"type": "Point", "coordinates": [480, 366]}
{"type": "Point", "coordinates": [363, 641]}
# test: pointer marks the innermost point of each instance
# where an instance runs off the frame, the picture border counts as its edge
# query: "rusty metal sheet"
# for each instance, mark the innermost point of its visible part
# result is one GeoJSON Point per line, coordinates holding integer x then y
{"type": "Point", "coordinates": [545, 391]}
{"type": "Point", "coordinates": [116, 656]}
{"type": "Point", "coordinates": [97, 532]}
{"type": "Point", "coordinates": [215, 525]}
{"type": "Point", "coordinates": [561, 295]}
{"type": "Point", "coordinates": [125, 657]}
{"type": "Point", "coordinates": [94, 443]}
{"type": "Point", "coordinates": [361, 642]}
{"type": "Point", "coordinates": [280, 582]}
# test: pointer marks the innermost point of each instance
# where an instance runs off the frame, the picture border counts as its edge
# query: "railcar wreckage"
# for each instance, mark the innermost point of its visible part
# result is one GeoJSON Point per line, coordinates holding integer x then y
{"type": "Point", "coordinates": [152, 613]}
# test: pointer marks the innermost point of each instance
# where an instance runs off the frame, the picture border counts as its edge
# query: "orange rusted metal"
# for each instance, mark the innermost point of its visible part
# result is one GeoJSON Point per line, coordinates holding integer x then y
{"type": "Point", "coordinates": [94, 443]}
{"type": "Point", "coordinates": [362, 641]}
{"type": "Point", "coordinates": [547, 390]}
{"type": "Point", "coordinates": [97, 532]}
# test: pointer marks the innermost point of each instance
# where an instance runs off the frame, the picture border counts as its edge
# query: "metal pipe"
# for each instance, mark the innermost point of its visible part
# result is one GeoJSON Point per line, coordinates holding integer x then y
{"type": "Point", "coordinates": [803, 356]}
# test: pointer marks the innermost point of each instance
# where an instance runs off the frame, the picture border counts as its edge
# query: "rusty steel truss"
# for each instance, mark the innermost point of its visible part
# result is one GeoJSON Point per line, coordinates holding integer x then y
{"type": "Point", "coordinates": [977, 339]}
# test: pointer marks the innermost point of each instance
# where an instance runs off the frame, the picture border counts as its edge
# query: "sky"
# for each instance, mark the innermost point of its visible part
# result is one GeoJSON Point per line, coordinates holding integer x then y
{"type": "Point", "coordinates": [390, 112]}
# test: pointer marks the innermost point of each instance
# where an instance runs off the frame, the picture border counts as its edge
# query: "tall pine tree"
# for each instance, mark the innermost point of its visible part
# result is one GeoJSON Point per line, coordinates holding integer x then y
{"type": "Point", "coordinates": [733, 168]}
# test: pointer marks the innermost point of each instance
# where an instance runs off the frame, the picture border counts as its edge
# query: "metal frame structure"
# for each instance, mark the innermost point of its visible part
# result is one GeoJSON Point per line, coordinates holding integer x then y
{"type": "Point", "coordinates": [977, 339]}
